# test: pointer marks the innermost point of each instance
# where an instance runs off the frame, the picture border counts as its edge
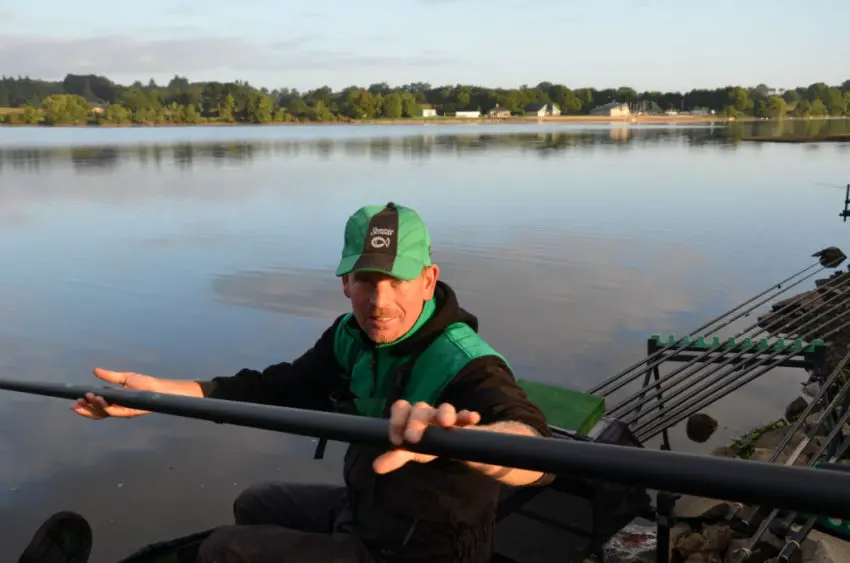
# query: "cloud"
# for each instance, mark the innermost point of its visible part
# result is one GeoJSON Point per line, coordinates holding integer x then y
{"type": "Point", "coordinates": [35, 55]}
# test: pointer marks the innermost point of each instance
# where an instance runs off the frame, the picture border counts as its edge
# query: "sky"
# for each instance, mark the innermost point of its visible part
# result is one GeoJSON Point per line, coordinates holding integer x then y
{"type": "Point", "coordinates": [647, 44]}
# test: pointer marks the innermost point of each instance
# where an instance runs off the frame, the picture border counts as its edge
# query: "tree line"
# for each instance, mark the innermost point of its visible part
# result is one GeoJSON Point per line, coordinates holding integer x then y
{"type": "Point", "coordinates": [93, 99]}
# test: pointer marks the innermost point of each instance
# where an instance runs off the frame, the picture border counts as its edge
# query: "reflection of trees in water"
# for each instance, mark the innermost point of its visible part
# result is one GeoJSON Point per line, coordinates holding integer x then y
{"type": "Point", "coordinates": [95, 158]}
{"type": "Point", "coordinates": [545, 142]}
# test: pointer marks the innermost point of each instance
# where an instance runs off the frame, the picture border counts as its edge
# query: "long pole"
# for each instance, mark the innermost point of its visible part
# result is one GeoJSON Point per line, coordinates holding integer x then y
{"type": "Point", "coordinates": [795, 488]}
{"type": "Point", "coordinates": [717, 366]}
{"type": "Point", "coordinates": [604, 386]}
{"type": "Point", "coordinates": [671, 380]}
{"type": "Point", "coordinates": [645, 431]}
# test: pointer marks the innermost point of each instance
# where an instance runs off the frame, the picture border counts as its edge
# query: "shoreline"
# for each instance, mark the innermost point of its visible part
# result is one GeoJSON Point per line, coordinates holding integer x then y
{"type": "Point", "coordinates": [840, 138]}
{"type": "Point", "coordinates": [624, 120]}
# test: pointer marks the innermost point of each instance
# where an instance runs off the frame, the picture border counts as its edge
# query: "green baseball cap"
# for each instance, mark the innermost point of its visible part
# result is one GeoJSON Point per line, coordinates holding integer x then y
{"type": "Point", "coordinates": [387, 238]}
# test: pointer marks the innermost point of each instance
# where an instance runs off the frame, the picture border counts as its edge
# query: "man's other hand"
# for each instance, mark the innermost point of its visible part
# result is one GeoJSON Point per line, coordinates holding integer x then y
{"type": "Point", "coordinates": [407, 425]}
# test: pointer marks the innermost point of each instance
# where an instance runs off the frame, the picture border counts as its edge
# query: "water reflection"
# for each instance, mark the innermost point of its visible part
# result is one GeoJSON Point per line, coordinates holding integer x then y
{"type": "Point", "coordinates": [182, 155]}
{"type": "Point", "coordinates": [411, 146]}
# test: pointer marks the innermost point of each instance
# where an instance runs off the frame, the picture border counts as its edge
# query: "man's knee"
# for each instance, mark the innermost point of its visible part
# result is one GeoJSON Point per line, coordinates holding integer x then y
{"type": "Point", "coordinates": [257, 503]}
{"type": "Point", "coordinates": [310, 508]}
{"type": "Point", "coordinates": [221, 546]}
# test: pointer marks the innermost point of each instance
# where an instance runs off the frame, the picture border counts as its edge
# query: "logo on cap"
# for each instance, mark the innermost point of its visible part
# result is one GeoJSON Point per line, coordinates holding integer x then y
{"type": "Point", "coordinates": [380, 237]}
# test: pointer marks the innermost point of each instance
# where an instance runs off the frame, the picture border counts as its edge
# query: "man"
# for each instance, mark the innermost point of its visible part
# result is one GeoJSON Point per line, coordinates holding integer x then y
{"type": "Point", "coordinates": [406, 352]}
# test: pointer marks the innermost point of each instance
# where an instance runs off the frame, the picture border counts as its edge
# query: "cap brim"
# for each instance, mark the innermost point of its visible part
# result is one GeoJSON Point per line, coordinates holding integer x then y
{"type": "Point", "coordinates": [402, 268]}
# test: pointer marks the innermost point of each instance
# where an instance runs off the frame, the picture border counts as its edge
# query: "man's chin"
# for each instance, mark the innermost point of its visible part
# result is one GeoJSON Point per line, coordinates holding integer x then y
{"type": "Point", "coordinates": [379, 336]}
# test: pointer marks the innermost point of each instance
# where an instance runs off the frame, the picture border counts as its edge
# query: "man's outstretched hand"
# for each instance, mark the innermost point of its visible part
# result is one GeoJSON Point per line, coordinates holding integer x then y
{"type": "Point", "coordinates": [96, 407]}
{"type": "Point", "coordinates": [408, 423]}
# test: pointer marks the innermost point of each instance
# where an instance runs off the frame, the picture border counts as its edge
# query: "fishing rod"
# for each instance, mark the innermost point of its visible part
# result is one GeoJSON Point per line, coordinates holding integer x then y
{"type": "Point", "coordinates": [663, 384]}
{"type": "Point", "coordinates": [716, 373]}
{"type": "Point", "coordinates": [629, 372]}
{"type": "Point", "coordinates": [829, 257]}
{"type": "Point", "coordinates": [678, 416]}
{"type": "Point", "coordinates": [670, 380]}
{"type": "Point", "coordinates": [745, 552]}
{"type": "Point", "coordinates": [792, 545]}
{"type": "Point", "coordinates": [723, 379]}
{"type": "Point", "coordinates": [827, 412]}
{"type": "Point", "coordinates": [795, 427]}
{"type": "Point", "coordinates": [799, 488]}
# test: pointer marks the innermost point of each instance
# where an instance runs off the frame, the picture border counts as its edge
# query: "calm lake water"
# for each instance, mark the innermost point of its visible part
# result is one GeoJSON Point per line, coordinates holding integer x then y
{"type": "Point", "coordinates": [195, 252]}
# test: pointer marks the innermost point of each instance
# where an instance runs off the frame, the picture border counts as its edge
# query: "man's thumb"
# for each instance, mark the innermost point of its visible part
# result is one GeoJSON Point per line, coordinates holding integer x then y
{"type": "Point", "coordinates": [111, 376]}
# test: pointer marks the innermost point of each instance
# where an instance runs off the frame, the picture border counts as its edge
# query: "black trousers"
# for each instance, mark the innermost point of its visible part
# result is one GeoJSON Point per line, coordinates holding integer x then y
{"type": "Point", "coordinates": [282, 523]}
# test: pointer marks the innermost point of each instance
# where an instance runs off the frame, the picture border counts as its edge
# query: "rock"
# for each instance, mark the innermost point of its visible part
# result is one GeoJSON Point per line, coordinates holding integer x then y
{"type": "Point", "coordinates": [723, 451]}
{"type": "Point", "coordinates": [691, 543]}
{"type": "Point", "coordinates": [794, 410]}
{"type": "Point", "coordinates": [732, 549]}
{"type": "Point", "coordinates": [717, 537]}
{"type": "Point", "coordinates": [770, 439]}
{"type": "Point", "coordinates": [761, 454]}
{"type": "Point", "coordinates": [689, 506]}
{"type": "Point", "coordinates": [677, 531]}
{"type": "Point", "coordinates": [828, 549]}
{"type": "Point", "coordinates": [708, 557]}
{"type": "Point", "coordinates": [700, 427]}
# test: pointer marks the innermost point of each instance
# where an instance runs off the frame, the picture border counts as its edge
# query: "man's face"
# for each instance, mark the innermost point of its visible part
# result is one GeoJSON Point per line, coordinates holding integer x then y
{"type": "Point", "coordinates": [386, 307]}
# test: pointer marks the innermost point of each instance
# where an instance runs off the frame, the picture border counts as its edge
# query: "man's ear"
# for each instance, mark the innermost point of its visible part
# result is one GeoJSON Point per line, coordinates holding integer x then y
{"type": "Point", "coordinates": [431, 274]}
{"type": "Point", "coordinates": [345, 289]}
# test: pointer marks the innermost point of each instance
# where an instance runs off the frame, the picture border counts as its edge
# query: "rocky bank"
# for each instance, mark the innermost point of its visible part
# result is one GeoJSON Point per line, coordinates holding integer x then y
{"type": "Point", "coordinates": [711, 530]}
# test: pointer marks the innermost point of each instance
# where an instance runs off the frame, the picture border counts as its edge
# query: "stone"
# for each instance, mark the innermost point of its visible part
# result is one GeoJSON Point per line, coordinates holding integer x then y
{"type": "Point", "coordinates": [700, 427]}
{"type": "Point", "coordinates": [689, 506]}
{"type": "Point", "coordinates": [677, 531]}
{"type": "Point", "coordinates": [690, 543]}
{"type": "Point", "coordinates": [704, 557]}
{"type": "Point", "coordinates": [772, 438]}
{"type": "Point", "coordinates": [794, 410]}
{"type": "Point", "coordinates": [735, 544]}
{"type": "Point", "coordinates": [717, 537]}
{"type": "Point", "coordinates": [828, 549]}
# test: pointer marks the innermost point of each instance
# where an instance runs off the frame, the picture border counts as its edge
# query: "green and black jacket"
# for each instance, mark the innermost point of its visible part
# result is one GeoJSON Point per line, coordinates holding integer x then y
{"type": "Point", "coordinates": [438, 511]}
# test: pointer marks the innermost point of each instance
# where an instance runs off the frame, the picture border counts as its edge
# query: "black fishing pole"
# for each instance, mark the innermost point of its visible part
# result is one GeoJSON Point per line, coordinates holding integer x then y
{"type": "Point", "coordinates": [665, 383]}
{"type": "Point", "coordinates": [797, 488]}
{"type": "Point", "coordinates": [800, 536]}
{"type": "Point", "coordinates": [716, 374]}
{"type": "Point", "coordinates": [642, 363]}
{"type": "Point", "coordinates": [827, 412]}
{"type": "Point", "coordinates": [829, 257]}
{"type": "Point", "coordinates": [643, 433]}
{"type": "Point", "coordinates": [723, 378]}
{"type": "Point", "coordinates": [671, 380]}
{"type": "Point", "coordinates": [802, 418]}
{"type": "Point", "coordinates": [745, 552]}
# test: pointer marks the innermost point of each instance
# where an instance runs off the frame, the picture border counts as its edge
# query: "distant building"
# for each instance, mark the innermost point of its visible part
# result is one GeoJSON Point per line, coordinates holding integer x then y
{"type": "Point", "coordinates": [614, 109]}
{"type": "Point", "coordinates": [467, 113]}
{"type": "Point", "coordinates": [499, 111]}
{"type": "Point", "coordinates": [543, 110]}
{"type": "Point", "coordinates": [427, 111]}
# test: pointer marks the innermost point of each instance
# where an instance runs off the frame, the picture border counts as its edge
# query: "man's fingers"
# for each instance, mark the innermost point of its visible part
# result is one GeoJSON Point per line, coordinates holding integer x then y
{"type": "Point", "coordinates": [398, 421]}
{"type": "Point", "coordinates": [468, 418]}
{"type": "Point", "coordinates": [420, 417]}
{"type": "Point", "coordinates": [391, 461]}
{"type": "Point", "coordinates": [394, 459]}
{"type": "Point", "coordinates": [118, 377]}
{"type": "Point", "coordinates": [446, 415]}
{"type": "Point", "coordinates": [96, 407]}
